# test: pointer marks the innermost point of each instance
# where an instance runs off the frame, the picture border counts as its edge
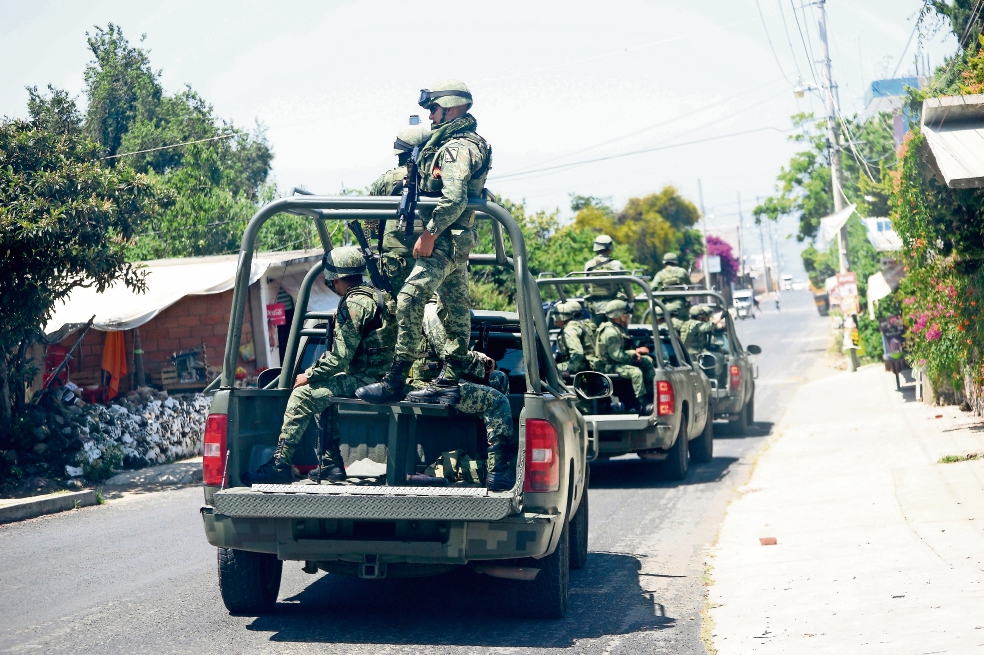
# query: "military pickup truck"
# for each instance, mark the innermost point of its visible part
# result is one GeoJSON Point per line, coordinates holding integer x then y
{"type": "Point", "coordinates": [680, 427]}
{"type": "Point", "coordinates": [381, 525]}
{"type": "Point", "coordinates": [726, 362]}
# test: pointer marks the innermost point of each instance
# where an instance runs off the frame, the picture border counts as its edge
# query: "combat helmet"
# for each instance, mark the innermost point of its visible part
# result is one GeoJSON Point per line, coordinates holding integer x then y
{"type": "Point", "coordinates": [565, 311]}
{"type": "Point", "coordinates": [447, 94]}
{"type": "Point", "coordinates": [616, 308]}
{"type": "Point", "coordinates": [343, 262]}
{"type": "Point", "coordinates": [409, 138]}
{"type": "Point", "coordinates": [700, 311]}
{"type": "Point", "coordinates": [670, 258]}
{"type": "Point", "coordinates": [603, 242]}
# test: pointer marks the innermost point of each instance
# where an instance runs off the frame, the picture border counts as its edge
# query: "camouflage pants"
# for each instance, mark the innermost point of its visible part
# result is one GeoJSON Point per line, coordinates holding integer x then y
{"type": "Point", "coordinates": [444, 273]}
{"type": "Point", "coordinates": [641, 375]}
{"type": "Point", "coordinates": [310, 401]}
{"type": "Point", "coordinates": [493, 407]}
{"type": "Point", "coordinates": [396, 268]}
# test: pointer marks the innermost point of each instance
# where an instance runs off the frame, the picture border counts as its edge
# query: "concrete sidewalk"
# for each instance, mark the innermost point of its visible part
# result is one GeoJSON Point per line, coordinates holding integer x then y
{"type": "Point", "coordinates": [880, 548]}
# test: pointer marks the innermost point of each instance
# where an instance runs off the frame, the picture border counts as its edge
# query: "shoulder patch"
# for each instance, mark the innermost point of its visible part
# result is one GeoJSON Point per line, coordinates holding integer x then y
{"type": "Point", "coordinates": [451, 154]}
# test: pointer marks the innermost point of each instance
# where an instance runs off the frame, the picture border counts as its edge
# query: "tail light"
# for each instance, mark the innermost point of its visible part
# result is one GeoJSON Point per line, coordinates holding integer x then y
{"type": "Point", "coordinates": [214, 450]}
{"type": "Point", "coordinates": [665, 398]}
{"type": "Point", "coordinates": [735, 375]}
{"type": "Point", "coordinates": [542, 457]}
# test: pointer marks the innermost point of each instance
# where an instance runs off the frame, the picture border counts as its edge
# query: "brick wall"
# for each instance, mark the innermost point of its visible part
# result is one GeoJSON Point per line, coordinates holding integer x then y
{"type": "Point", "coordinates": [188, 323]}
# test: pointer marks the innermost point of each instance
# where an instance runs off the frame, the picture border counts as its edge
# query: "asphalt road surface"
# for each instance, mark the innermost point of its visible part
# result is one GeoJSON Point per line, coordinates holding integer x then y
{"type": "Point", "coordinates": [137, 575]}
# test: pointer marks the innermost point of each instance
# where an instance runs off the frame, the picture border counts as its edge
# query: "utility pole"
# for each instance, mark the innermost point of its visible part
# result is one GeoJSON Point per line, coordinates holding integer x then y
{"type": "Point", "coordinates": [768, 278]}
{"type": "Point", "coordinates": [836, 177]}
{"type": "Point", "coordinates": [741, 248]}
{"type": "Point", "coordinates": [700, 197]}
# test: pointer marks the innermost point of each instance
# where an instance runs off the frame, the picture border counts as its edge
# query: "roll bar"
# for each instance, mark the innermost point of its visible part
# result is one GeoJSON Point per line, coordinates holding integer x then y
{"type": "Point", "coordinates": [339, 208]}
{"type": "Point", "coordinates": [560, 282]}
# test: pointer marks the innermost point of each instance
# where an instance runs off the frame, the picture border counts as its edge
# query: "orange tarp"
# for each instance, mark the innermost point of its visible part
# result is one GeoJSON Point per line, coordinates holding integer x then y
{"type": "Point", "coordinates": [114, 360]}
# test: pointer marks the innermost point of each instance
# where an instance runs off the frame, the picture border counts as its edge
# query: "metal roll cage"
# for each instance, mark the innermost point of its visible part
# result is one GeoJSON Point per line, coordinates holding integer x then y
{"type": "Point", "coordinates": [343, 208]}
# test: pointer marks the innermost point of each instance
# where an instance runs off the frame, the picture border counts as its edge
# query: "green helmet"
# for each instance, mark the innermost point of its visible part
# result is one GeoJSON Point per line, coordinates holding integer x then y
{"type": "Point", "coordinates": [409, 138]}
{"type": "Point", "coordinates": [603, 242]}
{"type": "Point", "coordinates": [447, 94]}
{"type": "Point", "coordinates": [565, 311]}
{"type": "Point", "coordinates": [617, 308]}
{"type": "Point", "coordinates": [670, 258]}
{"type": "Point", "coordinates": [343, 262]}
{"type": "Point", "coordinates": [700, 311]}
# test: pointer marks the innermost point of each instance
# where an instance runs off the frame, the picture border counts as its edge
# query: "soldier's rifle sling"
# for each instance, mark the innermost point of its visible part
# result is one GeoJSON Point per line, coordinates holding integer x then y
{"type": "Point", "coordinates": [408, 199]}
{"type": "Point", "coordinates": [377, 278]}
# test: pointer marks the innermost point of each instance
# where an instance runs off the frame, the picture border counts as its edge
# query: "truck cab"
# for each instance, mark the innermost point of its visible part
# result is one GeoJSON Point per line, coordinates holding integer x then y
{"type": "Point", "coordinates": [378, 524]}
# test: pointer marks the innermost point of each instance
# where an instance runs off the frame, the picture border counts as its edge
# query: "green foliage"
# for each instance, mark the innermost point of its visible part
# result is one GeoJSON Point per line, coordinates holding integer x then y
{"type": "Point", "coordinates": [650, 226]}
{"type": "Point", "coordinates": [486, 295]}
{"type": "Point", "coordinates": [106, 466]}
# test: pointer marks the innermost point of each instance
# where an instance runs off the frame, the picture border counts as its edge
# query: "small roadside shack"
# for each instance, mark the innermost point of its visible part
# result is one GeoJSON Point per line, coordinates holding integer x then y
{"type": "Point", "coordinates": [175, 332]}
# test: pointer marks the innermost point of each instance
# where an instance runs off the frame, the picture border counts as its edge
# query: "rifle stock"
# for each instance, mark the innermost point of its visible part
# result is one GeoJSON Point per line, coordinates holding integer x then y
{"type": "Point", "coordinates": [377, 278]}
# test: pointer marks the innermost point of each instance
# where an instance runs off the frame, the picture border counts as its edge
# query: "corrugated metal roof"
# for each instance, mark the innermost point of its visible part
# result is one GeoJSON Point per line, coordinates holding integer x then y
{"type": "Point", "coordinates": [954, 129]}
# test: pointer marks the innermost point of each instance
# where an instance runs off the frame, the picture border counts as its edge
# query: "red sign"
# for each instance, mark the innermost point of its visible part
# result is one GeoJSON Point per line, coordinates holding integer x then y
{"type": "Point", "coordinates": [848, 286]}
{"type": "Point", "coordinates": [275, 314]}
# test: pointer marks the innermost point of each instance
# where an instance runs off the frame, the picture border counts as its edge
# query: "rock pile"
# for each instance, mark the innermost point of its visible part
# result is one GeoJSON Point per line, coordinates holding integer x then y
{"type": "Point", "coordinates": [141, 428]}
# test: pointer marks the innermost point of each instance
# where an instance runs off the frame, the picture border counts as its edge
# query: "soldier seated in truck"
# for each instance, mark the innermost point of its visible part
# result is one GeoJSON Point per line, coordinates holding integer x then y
{"type": "Point", "coordinates": [361, 352]}
{"type": "Point", "coordinates": [575, 343]}
{"type": "Point", "coordinates": [696, 332]}
{"type": "Point", "coordinates": [613, 357]}
{"type": "Point", "coordinates": [483, 393]}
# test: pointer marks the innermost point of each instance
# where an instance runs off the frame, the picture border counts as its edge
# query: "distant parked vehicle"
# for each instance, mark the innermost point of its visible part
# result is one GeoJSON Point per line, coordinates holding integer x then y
{"type": "Point", "coordinates": [787, 282]}
{"type": "Point", "coordinates": [743, 301]}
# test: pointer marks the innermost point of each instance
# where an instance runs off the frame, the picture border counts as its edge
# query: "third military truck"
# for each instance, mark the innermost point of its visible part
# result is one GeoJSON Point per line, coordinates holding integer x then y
{"type": "Point", "coordinates": [379, 524]}
{"type": "Point", "coordinates": [679, 428]}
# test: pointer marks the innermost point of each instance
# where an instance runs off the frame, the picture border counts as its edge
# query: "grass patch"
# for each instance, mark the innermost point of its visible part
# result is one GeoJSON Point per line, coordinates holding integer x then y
{"type": "Point", "coordinates": [100, 499]}
{"type": "Point", "coordinates": [950, 459]}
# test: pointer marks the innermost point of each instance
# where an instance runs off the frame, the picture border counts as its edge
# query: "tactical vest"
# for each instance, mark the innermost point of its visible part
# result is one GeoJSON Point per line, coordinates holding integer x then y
{"type": "Point", "coordinates": [431, 186]}
{"type": "Point", "coordinates": [375, 352]}
{"type": "Point", "coordinates": [597, 291]}
{"type": "Point", "coordinates": [602, 363]}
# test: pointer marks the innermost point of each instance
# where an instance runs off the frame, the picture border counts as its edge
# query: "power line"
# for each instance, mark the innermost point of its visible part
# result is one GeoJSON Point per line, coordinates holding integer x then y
{"type": "Point", "coordinates": [769, 39]}
{"type": "Point", "coordinates": [176, 145]}
{"type": "Point", "coordinates": [906, 48]}
{"type": "Point", "coordinates": [785, 28]}
{"type": "Point", "coordinates": [808, 51]}
{"type": "Point", "coordinates": [644, 150]}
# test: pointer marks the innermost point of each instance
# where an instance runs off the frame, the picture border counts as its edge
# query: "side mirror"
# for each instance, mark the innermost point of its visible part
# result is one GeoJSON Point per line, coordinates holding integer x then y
{"type": "Point", "coordinates": [267, 376]}
{"type": "Point", "coordinates": [707, 362]}
{"type": "Point", "coordinates": [753, 350]}
{"type": "Point", "coordinates": [591, 385]}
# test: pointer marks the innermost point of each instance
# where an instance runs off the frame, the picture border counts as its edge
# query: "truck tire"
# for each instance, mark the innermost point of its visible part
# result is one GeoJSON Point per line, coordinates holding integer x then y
{"type": "Point", "coordinates": [579, 534]}
{"type": "Point", "coordinates": [546, 596]}
{"type": "Point", "coordinates": [750, 411]}
{"type": "Point", "coordinates": [702, 448]}
{"type": "Point", "coordinates": [740, 426]}
{"type": "Point", "coordinates": [249, 581]}
{"type": "Point", "coordinates": [675, 466]}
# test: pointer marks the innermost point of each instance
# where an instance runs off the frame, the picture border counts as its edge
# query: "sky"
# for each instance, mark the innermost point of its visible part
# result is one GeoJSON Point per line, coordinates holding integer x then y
{"type": "Point", "coordinates": [554, 83]}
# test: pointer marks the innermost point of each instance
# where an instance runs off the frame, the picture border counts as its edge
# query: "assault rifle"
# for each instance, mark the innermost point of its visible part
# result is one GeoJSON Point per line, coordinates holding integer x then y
{"type": "Point", "coordinates": [408, 199]}
{"type": "Point", "coordinates": [377, 278]}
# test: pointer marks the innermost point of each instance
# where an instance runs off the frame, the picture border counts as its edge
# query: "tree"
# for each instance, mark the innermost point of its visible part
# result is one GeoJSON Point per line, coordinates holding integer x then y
{"type": "Point", "coordinates": [730, 268]}
{"type": "Point", "coordinates": [66, 221]}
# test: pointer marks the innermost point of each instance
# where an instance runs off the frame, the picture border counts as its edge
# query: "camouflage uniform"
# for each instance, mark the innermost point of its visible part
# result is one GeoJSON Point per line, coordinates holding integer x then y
{"type": "Point", "coordinates": [673, 276]}
{"type": "Point", "coordinates": [576, 346]}
{"type": "Point", "coordinates": [694, 334]}
{"type": "Point", "coordinates": [614, 358]}
{"type": "Point", "coordinates": [361, 352]}
{"type": "Point", "coordinates": [487, 399]}
{"type": "Point", "coordinates": [454, 164]}
{"type": "Point", "coordinates": [396, 258]}
{"type": "Point", "coordinates": [598, 294]}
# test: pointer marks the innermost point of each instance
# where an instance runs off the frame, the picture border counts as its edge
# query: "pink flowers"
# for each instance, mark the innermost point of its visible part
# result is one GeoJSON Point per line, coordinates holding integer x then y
{"type": "Point", "coordinates": [934, 333]}
{"type": "Point", "coordinates": [920, 322]}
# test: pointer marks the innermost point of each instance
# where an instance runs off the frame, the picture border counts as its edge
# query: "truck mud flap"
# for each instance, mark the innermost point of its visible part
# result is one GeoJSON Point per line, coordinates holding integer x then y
{"type": "Point", "coordinates": [349, 502]}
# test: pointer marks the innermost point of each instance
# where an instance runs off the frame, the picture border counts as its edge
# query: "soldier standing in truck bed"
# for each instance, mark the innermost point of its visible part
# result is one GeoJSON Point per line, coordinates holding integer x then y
{"type": "Point", "coordinates": [670, 276]}
{"type": "Point", "coordinates": [598, 294]}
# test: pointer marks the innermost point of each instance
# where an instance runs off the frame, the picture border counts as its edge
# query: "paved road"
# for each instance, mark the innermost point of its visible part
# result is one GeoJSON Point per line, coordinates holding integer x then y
{"type": "Point", "coordinates": [137, 576]}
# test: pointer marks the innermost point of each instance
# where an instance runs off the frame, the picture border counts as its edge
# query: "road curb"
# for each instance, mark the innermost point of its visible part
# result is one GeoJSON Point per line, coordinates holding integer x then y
{"type": "Point", "coordinates": [28, 508]}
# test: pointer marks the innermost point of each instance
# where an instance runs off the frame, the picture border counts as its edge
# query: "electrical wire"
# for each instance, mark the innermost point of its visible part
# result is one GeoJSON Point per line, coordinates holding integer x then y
{"type": "Point", "coordinates": [808, 51]}
{"type": "Point", "coordinates": [176, 145]}
{"type": "Point", "coordinates": [906, 48]}
{"type": "Point", "coordinates": [792, 51]}
{"type": "Point", "coordinates": [769, 39]}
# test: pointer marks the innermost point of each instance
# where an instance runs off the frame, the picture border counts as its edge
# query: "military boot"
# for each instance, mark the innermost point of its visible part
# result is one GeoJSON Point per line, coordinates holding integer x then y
{"type": "Point", "coordinates": [444, 390]}
{"type": "Point", "coordinates": [502, 477]}
{"type": "Point", "coordinates": [391, 389]}
{"type": "Point", "coordinates": [272, 472]}
{"type": "Point", "coordinates": [328, 473]}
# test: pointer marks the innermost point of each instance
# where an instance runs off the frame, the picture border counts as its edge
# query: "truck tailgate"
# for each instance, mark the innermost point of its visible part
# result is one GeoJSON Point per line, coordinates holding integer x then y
{"type": "Point", "coordinates": [358, 502]}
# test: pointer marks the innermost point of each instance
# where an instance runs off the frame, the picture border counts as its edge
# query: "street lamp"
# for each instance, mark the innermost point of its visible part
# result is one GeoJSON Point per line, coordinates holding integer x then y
{"type": "Point", "coordinates": [800, 89]}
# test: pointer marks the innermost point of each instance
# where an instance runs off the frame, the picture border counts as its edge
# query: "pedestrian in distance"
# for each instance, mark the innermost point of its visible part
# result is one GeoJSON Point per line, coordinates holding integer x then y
{"type": "Point", "coordinates": [454, 163]}
{"type": "Point", "coordinates": [775, 296]}
{"type": "Point", "coordinates": [361, 351]}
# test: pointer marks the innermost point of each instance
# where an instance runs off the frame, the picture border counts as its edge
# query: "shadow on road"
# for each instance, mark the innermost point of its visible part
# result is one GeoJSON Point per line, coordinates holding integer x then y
{"type": "Point", "coordinates": [644, 474]}
{"type": "Point", "coordinates": [723, 430]}
{"type": "Point", "coordinates": [464, 608]}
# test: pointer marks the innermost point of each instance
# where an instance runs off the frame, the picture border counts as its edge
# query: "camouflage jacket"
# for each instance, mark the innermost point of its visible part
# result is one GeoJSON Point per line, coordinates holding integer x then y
{"type": "Point", "coordinates": [576, 346]}
{"type": "Point", "coordinates": [670, 276]}
{"type": "Point", "coordinates": [363, 337]}
{"type": "Point", "coordinates": [454, 164]}
{"type": "Point", "coordinates": [596, 292]}
{"type": "Point", "coordinates": [395, 240]}
{"type": "Point", "coordinates": [694, 334]}
{"type": "Point", "coordinates": [610, 347]}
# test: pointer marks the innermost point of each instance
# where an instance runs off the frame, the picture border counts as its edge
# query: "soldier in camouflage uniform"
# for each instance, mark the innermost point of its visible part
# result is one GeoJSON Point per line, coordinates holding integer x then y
{"type": "Point", "coordinates": [396, 258]}
{"type": "Point", "coordinates": [695, 332]}
{"type": "Point", "coordinates": [361, 351]}
{"type": "Point", "coordinates": [483, 393]}
{"type": "Point", "coordinates": [575, 343]}
{"type": "Point", "coordinates": [598, 294]}
{"type": "Point", "coordinates": [454, 164]}
{"type": "Point", "coordinates": [636, 365]}
{"type": "Point", "coordinates": [671, 275]}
